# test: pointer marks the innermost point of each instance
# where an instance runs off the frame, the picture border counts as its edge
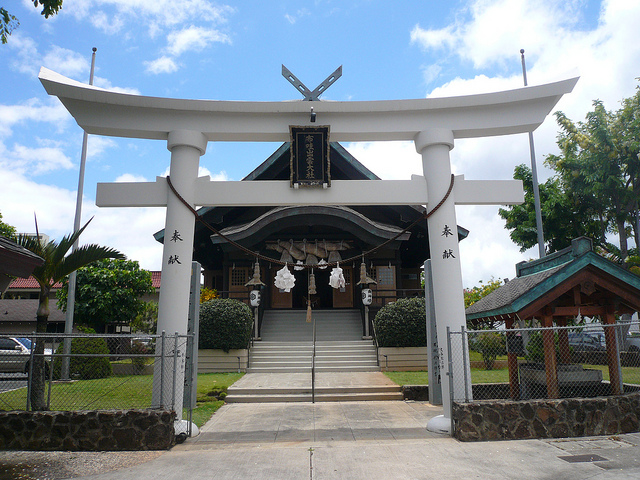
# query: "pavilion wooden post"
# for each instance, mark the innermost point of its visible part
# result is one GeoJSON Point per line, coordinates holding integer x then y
{"type": "Point", "coordinates": [512, 364]}
{"type": "Point", "coordinates": [563, 341]}
{"type": "Point", "coordinates": [550, 361]}
{"type": "Point", "coordinates": [613, 358]}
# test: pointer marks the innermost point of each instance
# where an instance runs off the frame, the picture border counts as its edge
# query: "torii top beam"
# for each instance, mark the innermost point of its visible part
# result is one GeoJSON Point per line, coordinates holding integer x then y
{"type": "Point", "coordinates": [103, 112]}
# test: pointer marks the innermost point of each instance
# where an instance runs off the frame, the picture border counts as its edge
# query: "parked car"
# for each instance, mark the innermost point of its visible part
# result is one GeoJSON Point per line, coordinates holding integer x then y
{"type": "Point", "coordinates": [587, 341]}
{"type": "Point", "coordinates": [633, 342]}
{"type": "Point", "coordinates": [15, 353]}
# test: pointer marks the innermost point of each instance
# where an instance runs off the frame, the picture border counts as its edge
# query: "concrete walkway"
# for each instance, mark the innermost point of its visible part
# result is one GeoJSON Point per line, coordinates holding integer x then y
{"type": "Point", "coordinates": [370, 441]}
{"type": "Point", "coordinates": [303, 380]}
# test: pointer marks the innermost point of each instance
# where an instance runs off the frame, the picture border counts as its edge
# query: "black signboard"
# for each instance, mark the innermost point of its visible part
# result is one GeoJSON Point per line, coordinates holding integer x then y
{"type": "Point", "coordinates": [310, 165]}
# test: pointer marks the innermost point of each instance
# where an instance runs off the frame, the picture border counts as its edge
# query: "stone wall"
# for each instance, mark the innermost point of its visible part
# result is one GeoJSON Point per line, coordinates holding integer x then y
{"type": "Point", "coordinates": [569, 417]}
{"type": "Point", "coordinates": [87, 431]}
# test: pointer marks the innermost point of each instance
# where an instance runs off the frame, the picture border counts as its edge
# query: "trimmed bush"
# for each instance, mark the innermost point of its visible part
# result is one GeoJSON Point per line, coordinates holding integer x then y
{"type": "Point", "coordinates": [85, 368]}
{"type": "Point", "coordinates": [402, 324]}
{"type": "Point", "coordinates": [490, 345]}
{"type": "Point", "coordinates": [225, 324]}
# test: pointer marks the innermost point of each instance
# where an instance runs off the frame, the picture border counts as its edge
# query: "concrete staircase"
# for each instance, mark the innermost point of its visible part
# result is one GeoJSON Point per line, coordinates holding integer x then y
{"type": "Point", "coordinates": [280, 364]}
{"type": "Point", "coordinates": [293, 393]}
{"type": "Point", "coordinates": [287, 343]}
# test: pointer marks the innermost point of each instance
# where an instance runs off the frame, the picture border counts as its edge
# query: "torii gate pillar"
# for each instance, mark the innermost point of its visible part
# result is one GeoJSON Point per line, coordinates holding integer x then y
{"type": "Point", "coordinates": [434, 146]}
{"type": "Point", "coordinates": [186, 148]}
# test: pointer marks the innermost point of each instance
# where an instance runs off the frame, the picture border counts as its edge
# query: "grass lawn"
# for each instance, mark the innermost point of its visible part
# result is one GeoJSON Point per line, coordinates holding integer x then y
{"type": "Point", "coordinates": [125, 392]}
{"type": "Point", "coordinates": [478, 375]}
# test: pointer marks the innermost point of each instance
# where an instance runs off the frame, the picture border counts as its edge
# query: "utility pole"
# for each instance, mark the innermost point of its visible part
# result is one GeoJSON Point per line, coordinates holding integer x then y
{"type": "Point", "coordinates": [534, 176]}
{"type": "Point", "coordinates": [71, 293]}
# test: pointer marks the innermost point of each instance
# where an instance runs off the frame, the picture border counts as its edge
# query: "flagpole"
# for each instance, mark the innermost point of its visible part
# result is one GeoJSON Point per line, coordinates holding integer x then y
{"type": "Point", "coordinates": [534, 175]}
{"type": "Point", "coordinates": [71, 291]}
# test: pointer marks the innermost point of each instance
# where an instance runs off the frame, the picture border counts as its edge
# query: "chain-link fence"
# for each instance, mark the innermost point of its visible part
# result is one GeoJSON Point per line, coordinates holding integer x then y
{"type": "Point", "coordinates": [558, 362]}
{"type": "Point", "coordinates": [94, 372]}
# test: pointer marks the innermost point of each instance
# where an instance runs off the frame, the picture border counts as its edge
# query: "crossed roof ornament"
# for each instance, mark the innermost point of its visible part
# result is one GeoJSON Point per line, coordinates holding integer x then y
{"type": "Point", "coordinates": [319, 90]}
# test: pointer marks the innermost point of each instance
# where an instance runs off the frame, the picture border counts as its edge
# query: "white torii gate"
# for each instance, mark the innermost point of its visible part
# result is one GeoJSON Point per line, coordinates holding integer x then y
{"type": "Point", "coordinates": [432, 124]}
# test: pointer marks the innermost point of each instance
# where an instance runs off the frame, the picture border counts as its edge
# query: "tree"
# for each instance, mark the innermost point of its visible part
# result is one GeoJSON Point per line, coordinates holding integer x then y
{"type": "Point", "coordinates": [57, 265]}
{"type": "Point", "coordinates": [472, 295]}
{"type": "Point", "coordinates": [108, 291]}
{"type": "Point", "coordinates": [596, 187]}
{"type": "Point", "coordinates": [599, 164]}
{"type": "Point", "coordinates": [147, 320]}
{"type": "Point", "coordinates": [8, 22]}
{"type": "Point", "coordinates": [564, 216]}
{"type": "Point", "coordinates": [7, 230]}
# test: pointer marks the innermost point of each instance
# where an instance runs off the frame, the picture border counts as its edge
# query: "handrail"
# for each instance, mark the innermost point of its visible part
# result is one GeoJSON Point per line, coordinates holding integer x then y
{"type": "Point", "coordinates": [313, 364]}
{"type": "Point", "coordinates": [375, 341]}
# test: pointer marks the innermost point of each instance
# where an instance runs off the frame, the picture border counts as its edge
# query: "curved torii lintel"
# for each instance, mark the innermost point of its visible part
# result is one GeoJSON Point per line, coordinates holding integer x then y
{"type": "Point", "coordinates": [104, 112]}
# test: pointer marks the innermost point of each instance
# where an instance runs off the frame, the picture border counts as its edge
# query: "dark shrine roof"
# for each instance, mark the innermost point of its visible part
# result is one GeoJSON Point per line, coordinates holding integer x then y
{"type": "Point", "coordinates": [541, 277]}
{"type": "Point", "coordinates": [16, 260]}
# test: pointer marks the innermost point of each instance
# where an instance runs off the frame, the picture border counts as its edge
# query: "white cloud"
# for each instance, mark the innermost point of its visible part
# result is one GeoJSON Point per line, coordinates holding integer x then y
{"type": "Point", "coordinates": [32, 110]}
{"type": "Point", "coordinates": [163, 64]}
{"type": "Point", "coordinates": [35, 161]}
{"type": "Point", "coordinates": [67, 62]}
{"type": "Point", "coordinates": [97, 145]}
{"type": "Point", "coordinates": [129, 230]}
{"type": "Point", "coordinates": [156, 15]}
{"type": "Point", "coordinates": [129, 177]}
{"type": "Point", "coordinates": [489, 34]}
{"type": "Point", "coordinates": [388, 160]}
{"type": "Point", "coordinates": [194, 38]}
{"type": "Point", "coordinates": [293, 18]}
{"type": "Point", "coordinates": [107, 85]}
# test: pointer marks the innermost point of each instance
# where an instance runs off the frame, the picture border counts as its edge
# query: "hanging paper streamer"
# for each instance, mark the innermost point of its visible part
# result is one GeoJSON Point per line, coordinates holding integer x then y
{"type": "Point", "coordinates": [297, 267]}
{"type": "Point", "coordinates": [322, 264]}
{"type": "Point", "coordinates": [336, 279]}
{"type": "Point", "coordinates": [284, 279]}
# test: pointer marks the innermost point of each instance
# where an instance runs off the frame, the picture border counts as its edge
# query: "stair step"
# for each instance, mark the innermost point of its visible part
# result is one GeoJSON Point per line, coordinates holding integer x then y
{"type": "Point", "coordinates": [330, 397]}
{"type": "Point", "coordinates": [319, 390]}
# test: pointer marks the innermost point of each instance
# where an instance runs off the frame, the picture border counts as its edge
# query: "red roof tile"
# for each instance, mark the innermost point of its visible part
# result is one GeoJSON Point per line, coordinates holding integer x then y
{"type": "Point", "coordinates": [22, 283]}
{"type": "Point", "coordinates": [28, 283]}
{"type": "Point", "coordinates": [155, 279]}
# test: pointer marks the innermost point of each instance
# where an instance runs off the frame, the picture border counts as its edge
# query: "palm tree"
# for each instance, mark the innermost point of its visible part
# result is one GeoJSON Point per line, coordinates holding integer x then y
{"type": "Point", "coordinates": [57, 265]}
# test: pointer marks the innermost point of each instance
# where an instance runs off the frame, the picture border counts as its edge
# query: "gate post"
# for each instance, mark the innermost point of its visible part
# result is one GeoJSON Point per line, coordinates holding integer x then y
{"type": "Point", "coordinates": [434, 146]}
{"type": "Point", "coordinates": [186, 147]}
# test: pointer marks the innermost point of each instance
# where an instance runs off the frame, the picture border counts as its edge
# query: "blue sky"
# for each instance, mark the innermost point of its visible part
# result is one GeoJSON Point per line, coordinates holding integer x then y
{"type": "Point", "coordinates": [211, 50]}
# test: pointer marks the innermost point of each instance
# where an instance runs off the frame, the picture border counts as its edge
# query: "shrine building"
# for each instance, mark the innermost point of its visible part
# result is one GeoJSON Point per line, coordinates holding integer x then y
{"type": "Point", "coordinates": [328, 233]}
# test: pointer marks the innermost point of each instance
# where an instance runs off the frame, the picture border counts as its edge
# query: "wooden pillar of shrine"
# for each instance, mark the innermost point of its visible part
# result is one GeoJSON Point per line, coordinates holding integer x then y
{"type": "Point", "coordinates": [613, 358]}
{"type": "Point", "coordinates": [512, 364]}
{"type": "Point", "coordinates": [550, 361]}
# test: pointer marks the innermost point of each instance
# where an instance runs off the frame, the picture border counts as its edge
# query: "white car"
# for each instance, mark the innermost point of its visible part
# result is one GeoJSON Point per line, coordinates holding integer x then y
{"type": "Point", "coordinates": [15, 353]}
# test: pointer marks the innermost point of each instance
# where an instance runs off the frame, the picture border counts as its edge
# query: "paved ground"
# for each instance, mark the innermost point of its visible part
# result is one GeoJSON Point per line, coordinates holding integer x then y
{"type": "Point", "coordinates": [370, 441]}
{"type": "Point", "coordinates": [359, 440]}
{"type": "Point", "coordinates": [303, 380]}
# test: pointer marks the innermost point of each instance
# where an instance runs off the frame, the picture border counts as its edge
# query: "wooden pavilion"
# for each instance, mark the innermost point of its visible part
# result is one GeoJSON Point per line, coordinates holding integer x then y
{"type": "Point", "coordinates": [572, 282]}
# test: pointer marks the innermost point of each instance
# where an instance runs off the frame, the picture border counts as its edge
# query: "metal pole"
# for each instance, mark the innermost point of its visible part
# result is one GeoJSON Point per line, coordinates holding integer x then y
{"type": "Point", "coordinates": [464, 342]}
{"type": "Point", "coordinates": [450, 374]}
{"type": "Point", "coordinates": [175, 370]}
{"type": "Point", "coordinates": [30, 374]}
{"type": "Point", "coordinates": [162, 354]}
{"type": "Point", "coordinates": [534, 176]}
{"type": "Point", "coordinates": [71, 292]}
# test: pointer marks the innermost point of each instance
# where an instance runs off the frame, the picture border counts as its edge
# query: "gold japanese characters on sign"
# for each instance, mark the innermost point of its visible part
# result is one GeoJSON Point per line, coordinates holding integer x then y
{"type": "Point", "coordinates": [310, 163]}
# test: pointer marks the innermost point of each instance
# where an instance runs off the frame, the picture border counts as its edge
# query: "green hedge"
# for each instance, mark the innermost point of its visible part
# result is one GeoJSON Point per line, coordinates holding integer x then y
{"type": "Point", "coordinates": [225, 324]}
{"type": "Point", "coordinates": [85, 368]}
{"type": "Point", "coordinates": [402, 324]}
